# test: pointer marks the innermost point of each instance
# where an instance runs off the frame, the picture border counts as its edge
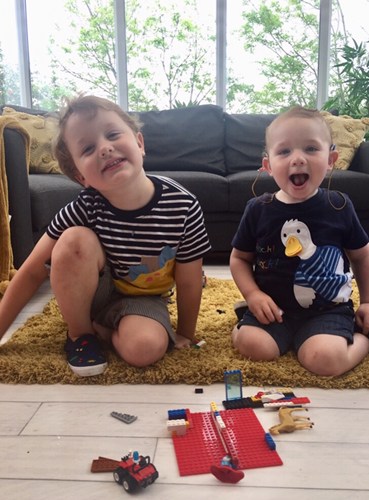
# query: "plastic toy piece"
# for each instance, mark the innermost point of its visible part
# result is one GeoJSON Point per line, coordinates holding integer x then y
{"type": "Point", "coordinates": [177, 414]}
{"type": "Point", "coordinates": [290, 422]}
{"type": "Point", "coordinates": [199, 344]}
{"type": "Point", "coordinates": [233, 384]}
{"type": "Point", "coordinates": [124, 417]}
{"type": "Point", "coordinates": [237, 404]}
{"type": "Point", "coordinates": [227, 471]}
{"type": "Point", "coordinates": [287, 402]}
{"type": "Point", "coordinates": [270, 441]}
{"type": "Point", "coordinates": [225, 438]}
{"type": "Point", "coordinates": [103, 464]}
{"type": "Point", "coordinates": [272, 396]}
{"type": "Point", "coordinates": [201, 447]}
{"type": "Point", "coordinates": [226, 474]}
{"type": "Point", "coordinates": [135, 471]}
{"type": "Point", "coordinates": [182, 414]}
{"type": "Point", "coordinates": [178, 426]}
{"type": "Point", "coordinates": [288, 399]}
{"type": "Point", "coordinates": [204, 280]}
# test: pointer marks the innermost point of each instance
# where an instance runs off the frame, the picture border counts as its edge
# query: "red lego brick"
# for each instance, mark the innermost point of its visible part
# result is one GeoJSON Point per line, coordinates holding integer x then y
{"type": "Point", "coordinates": [287, 402]}
{"type": "Point", "coordinates": [201, 447]}
{"type": "Point", "coordinates": [103, 464]}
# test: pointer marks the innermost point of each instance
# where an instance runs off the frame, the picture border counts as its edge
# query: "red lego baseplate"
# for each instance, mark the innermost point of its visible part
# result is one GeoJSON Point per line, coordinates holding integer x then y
{"type": "Point", "coordinates": [201, 447]}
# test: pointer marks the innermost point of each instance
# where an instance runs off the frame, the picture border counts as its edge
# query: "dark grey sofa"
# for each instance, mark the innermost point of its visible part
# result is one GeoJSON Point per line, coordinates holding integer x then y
{"type": "Point", "coordinates": [212, 153]}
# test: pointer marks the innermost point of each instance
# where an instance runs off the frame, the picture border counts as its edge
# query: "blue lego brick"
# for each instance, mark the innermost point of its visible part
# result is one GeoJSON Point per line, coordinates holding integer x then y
{"type": "Point", "coordinates": [177, 414]}
{"type": "Point", "coordinates": [270, 441]}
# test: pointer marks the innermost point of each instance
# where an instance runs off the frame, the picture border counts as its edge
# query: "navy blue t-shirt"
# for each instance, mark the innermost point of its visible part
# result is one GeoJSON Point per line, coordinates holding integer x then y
{"type": "Point", "coordinates": [299, 248]}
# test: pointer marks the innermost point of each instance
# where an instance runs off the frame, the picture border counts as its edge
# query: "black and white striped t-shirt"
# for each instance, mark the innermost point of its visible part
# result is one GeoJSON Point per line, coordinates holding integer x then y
{"type": "Point", "coordinates": [141, 246]}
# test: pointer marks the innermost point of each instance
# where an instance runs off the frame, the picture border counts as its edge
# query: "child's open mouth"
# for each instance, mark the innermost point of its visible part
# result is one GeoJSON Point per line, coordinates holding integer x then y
{"type": "Point", "coordinates": [113, 164]}
{"type": "Point", "coordinates": [299, 179]}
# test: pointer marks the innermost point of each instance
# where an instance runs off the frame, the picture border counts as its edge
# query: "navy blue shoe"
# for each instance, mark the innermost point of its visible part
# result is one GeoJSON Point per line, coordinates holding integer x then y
{"type": "Point", "coordinates": [85, 356]}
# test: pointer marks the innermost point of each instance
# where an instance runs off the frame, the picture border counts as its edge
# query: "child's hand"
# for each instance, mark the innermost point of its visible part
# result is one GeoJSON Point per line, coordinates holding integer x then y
{"type": "Point", "coordinates": [264, 308]}
{"type": "Point", "coordinates": [362, 318]}
{"type": "Point", "coordinates": [182, 342]}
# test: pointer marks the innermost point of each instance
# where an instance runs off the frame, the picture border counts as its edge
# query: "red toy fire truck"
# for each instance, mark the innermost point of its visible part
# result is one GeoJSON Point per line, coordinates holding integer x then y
{"type": "Point", "coordinates": [134, 470]}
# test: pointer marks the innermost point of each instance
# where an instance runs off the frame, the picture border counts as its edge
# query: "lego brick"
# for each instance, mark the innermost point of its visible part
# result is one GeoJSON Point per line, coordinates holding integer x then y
{"type": "Point", "coordinates": [287, 402]}
{"type": "Point", "coordinates": [124, 417]}
{"type": "Point", "coordinates": [103, 464]}
{"type": "Point", "coordinates": [201, 447]}
{"type": "Point", "coordinates": [270, 441]}
{"type": "Point", "coordinates": [177, 414]}
{"type": "Point", "coordinates": [289, 399]}
{"type": "Point", "coordinates": [242, 403]}
{"type": "Point", "coordinates": [177, 426]}
{"type": "Point", "coordinates": [233, 384]}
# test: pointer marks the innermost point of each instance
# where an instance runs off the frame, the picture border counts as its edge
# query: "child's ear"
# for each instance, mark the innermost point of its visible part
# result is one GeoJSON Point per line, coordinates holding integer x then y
{"type": "Point", "coordinates": [79, 178]}
{"type": "Point", "coordinates": [265, 165]}
{"type": "Point", "coordinates": [141, 142]}
{"type": "Point", "coordinates": [333, 156]}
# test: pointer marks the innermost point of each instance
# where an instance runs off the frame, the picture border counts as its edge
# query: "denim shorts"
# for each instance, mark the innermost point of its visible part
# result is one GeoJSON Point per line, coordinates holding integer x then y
{"type": "Point", "coordinates": [109, 306]}
{"type": "Point", "coordinates": [298, 327]}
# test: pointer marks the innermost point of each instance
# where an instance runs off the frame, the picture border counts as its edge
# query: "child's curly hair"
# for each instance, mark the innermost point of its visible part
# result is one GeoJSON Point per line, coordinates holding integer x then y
{"type": "Point", "coordinates": [87, 105]}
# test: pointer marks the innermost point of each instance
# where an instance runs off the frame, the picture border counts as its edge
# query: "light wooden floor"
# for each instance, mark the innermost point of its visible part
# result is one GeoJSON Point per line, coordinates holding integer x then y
{"type": "Point", "coordinates": [49, 436]}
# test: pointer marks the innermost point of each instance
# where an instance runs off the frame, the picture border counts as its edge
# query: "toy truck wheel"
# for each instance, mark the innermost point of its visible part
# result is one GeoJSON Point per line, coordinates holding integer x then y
{"type": "Point", "coordinates": [118, 476]}
{"type": "Point", "coordinates": [129, 484]}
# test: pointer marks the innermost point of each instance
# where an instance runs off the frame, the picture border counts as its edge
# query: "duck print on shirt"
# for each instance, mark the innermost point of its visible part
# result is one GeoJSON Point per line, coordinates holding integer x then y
{"type": "Point", "coordinates": [321, 269]}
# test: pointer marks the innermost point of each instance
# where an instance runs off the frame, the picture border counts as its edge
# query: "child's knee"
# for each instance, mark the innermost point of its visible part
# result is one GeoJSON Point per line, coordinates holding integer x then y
{"type": "Point", "coordinates": [140, 348]}
{"type": "Point", "coordinates": [255, 344]}
{"type": "Point", "coordinates": [77, 244]}
{"type": "Point", "coordinates": [326, 362]}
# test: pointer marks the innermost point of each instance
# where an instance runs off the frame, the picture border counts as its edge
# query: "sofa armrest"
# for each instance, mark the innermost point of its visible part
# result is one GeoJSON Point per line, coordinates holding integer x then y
{"type": "Point", "coordinates": [19, 196]}
{"type": "Point", "coordinates": [360, 162]}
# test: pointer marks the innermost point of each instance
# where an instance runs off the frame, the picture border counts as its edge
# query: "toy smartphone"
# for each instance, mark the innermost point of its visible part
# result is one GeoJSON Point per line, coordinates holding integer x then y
{"type": "Point", "coordinates": [233, 384]}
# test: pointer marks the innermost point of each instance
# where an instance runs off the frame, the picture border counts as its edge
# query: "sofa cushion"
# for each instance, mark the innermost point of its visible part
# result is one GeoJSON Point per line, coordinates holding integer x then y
{"type": "Point", "coordinates": [241, 188]}
{"type": "Point", "coordinates": [42, 129]}
{"type": "Point", "coordinates": [184, 139]}
{"type": "Point", "coordinates": [348, 133]}
{"type": "Point", "coordinates": [245, 140]}
{"type": "Point", "coordinates": [354, 184]}
{"type": "Point", "coordinates": [49, 193]}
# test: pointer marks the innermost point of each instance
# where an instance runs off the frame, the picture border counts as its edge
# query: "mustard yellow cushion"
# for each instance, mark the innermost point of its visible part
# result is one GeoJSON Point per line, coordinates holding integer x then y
{"type": "Point", "coordinates": [42, 130]}
{"type": "Point", "coordinates": [347, 133]}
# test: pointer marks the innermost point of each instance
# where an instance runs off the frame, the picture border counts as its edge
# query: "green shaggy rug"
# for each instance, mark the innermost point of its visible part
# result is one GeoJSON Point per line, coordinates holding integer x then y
{"type": "Point", "coordinates": [34, 354]}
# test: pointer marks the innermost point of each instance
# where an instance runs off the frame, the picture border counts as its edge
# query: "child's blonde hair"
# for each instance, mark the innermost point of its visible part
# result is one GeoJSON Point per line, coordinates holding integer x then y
{"type": "Point", "coordinates": [87, 105]}
{"type": "Point", "coordinates": [298, 112]}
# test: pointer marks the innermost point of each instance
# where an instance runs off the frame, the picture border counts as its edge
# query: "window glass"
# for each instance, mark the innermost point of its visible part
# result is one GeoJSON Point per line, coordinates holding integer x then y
{"type": "Point", "coordinates": [73, 51]}
{"type": "Point", "coordinates": [9, 66]}
{"type": "Point", "coordinates": [349, 72]}
{"type": "Point", "coordinates": [171, 53]}
{"type": "Point", "coordinates": [272, 54]}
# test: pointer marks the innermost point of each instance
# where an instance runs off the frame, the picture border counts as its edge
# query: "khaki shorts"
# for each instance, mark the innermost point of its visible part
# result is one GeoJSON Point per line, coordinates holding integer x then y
{"type": "Point", "coordinates": [109, 306]}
